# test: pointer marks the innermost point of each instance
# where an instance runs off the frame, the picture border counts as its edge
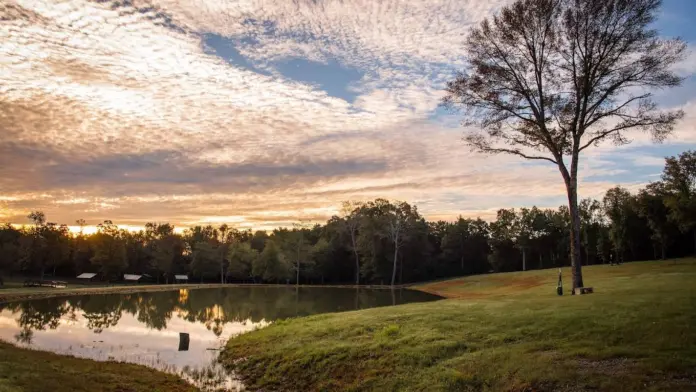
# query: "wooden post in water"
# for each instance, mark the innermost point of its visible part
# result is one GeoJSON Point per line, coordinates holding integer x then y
{"type": "Point", "coordinates": [183, 341]}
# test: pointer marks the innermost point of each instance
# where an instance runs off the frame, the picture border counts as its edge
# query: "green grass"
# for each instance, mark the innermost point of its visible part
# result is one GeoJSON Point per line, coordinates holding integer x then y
{"type": "Point", "coordinates": [37, 371]}
{"type": "Point", "coordinates": [502, 332]}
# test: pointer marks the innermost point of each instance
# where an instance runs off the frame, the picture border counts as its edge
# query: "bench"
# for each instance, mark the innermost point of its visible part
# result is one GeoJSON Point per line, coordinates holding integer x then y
{"type": "Point", "coordinates": [45, 283]}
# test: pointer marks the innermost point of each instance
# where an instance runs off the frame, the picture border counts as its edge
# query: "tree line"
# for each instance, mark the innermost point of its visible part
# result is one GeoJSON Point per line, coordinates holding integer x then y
{"type": "Point", "coordinates": [374, 242]}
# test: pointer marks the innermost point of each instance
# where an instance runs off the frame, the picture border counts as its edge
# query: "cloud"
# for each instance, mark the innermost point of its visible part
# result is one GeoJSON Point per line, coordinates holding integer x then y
{"type": "Point", "coordinates": [186, 111]}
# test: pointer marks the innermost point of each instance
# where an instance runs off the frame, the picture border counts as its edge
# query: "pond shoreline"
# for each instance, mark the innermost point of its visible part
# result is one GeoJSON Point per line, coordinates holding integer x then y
{"type": "Point", "coordinates": [25, 294]}
{"type": "Point", "coordinates": [225, 310]}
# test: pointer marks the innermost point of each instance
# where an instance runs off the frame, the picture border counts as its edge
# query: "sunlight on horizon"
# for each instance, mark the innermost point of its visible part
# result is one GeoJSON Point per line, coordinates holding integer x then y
{"type": "Point", "coordinates": [261, 115]}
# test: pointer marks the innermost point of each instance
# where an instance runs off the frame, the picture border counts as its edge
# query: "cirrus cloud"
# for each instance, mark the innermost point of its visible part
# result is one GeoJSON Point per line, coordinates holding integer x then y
{"type": "Point", "coordinates": [255, 111]}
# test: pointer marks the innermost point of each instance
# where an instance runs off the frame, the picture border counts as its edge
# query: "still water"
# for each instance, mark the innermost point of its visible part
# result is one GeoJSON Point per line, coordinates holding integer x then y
{"type": "Point", "coordinates": [180, 332]}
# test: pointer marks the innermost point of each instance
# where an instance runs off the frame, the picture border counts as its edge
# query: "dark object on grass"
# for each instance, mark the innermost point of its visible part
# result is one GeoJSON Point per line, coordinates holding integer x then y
{"type": "Point", "coordinates": [559, 288]}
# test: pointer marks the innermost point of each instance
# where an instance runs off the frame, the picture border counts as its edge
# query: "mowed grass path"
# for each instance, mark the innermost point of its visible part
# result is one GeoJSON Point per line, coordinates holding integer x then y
{"type": "Point", "coordinates": [500, 332]}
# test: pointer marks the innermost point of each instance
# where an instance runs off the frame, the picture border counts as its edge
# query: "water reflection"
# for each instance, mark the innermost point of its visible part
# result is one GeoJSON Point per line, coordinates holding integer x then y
{"type": "Point", "coordinates": [175, 331]}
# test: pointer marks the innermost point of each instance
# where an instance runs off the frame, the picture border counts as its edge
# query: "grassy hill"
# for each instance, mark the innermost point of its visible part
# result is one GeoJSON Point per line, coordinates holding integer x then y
{"type": "Point", "coordinates": [501, 332]}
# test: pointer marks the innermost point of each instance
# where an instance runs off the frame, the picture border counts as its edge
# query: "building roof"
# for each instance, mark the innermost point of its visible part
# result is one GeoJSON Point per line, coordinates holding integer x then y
{"type": "Point", "coordinates": [131, 277]}
{"type": "Point", "coordinates": [86, 275]}
{"type": "Point", "coordinates": [181, 277]}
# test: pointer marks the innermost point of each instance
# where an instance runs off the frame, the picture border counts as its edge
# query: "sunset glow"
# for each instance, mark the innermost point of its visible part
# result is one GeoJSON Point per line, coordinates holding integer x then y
{"type": "Point", "coordinates": [262, 113]}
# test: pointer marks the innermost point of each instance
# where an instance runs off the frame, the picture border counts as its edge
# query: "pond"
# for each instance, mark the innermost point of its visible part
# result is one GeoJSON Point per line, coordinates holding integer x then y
{"type": "Point", "coordinates": [180, 332]}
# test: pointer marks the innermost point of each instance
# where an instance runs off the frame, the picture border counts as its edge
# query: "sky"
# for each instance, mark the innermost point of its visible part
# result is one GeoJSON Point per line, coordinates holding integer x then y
{"type": "Point", "coordinates": [260, 113]}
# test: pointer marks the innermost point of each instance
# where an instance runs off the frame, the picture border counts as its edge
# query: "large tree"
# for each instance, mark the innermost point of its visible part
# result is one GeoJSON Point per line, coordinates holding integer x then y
{"type": "Point", "coordinates": [164, 247]}
{"type": "Point", "coordinates": [296, 247]}
{"type": "Point", "coordinates": [650, 203]}
{"type": "Point", "coordinates": [591, 221]}
{"type": "Point", "coordinates": [547, 79]}
{"type": "Point", "coordinates": [223, 245]}
{"type": "Point", "coordinates": [617, 206]}
{"type": "Point", "coordinates": [270, 265]}
{"type": "Point", "coordinates": [109, 250]}
{"type": "Point", "coordinates": [351, 224]}
{"type": "Point", "coordinates": [679, 179]}
{"type": "Point", "coordinates": [241, 257]}
{"type": "Point", "coordinates": [205, 260]}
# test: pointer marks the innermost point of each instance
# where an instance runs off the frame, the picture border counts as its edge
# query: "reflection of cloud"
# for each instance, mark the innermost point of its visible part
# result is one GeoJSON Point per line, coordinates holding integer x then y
{"type": "Point", "coordinates": [129, 340]}
{"type": "Point", "coordinates": [187, 112]}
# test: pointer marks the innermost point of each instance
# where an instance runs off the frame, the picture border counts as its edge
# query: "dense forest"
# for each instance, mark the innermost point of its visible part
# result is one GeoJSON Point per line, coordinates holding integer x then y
{"type": "Point", "coordinates": [374, 242]}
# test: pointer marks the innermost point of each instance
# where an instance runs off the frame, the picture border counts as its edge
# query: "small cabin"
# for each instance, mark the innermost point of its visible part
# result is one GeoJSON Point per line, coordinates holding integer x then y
{"type": "Point", "coordinates": [181, 278]}
{"type": "Point", "coordinates": [131, 278]}
{"type": "Point", "coordinates": [87, 277]}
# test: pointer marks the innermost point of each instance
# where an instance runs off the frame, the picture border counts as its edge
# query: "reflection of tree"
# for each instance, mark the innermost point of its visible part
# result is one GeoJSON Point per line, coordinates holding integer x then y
{"type": "Point", "coordinates": [155, 309]}
{"type": "Point", "coordinates": [214, 319]}
{"type": "Point", "coordinates": [206, 306]}
{"type": "Point", "coordinates": [39, 315]}
{"type": "Point", "coordinates": [25, 336]}
{"type": "Point", "coordinates": [213, 308]}
{"type": "Point", "coordinates": [101, 311]}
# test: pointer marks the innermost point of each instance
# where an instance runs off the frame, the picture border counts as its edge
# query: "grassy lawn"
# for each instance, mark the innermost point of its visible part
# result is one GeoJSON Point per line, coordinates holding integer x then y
{"type": "Point", "coordinates": [502, 332]}
{"type": "Point", "coordinates": [38, 371]}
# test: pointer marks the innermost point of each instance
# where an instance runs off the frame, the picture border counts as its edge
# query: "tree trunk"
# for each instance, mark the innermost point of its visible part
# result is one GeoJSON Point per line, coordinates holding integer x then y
{"type": "Point", "coordinates": [297, 279]}
{"type": "Point", "coordinates": [401, 272]}
{"type": "Point", "coordinates": [396, 254]}
{"type": "Point", "coordinates": [357, 267]}
{"type": "Point", "coordinates": [524, 259]}
{"type": "Point", "coordinates": [357, 259]}
{"type": "Point", "coordinates": [571, 181]}
{"type": "Point", "coordinates": [664, 255]}
{"type": "Point", "coordinates": [297, 299]}
{"type": "Point", "coordinates": [461, 242]}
